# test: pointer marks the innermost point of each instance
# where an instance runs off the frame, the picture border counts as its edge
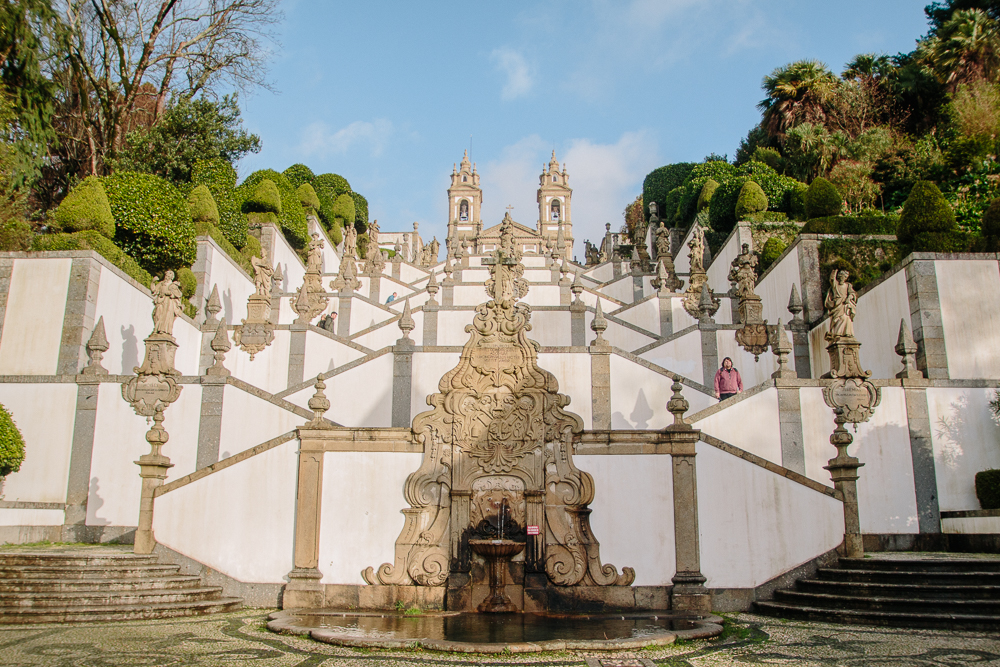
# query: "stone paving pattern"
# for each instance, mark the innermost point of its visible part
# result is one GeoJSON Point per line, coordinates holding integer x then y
{"type": "Point", "coordinates": [239, 638]}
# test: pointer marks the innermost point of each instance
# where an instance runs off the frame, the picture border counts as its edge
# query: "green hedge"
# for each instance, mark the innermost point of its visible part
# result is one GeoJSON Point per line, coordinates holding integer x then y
{"type": "Point", "coordinates": [220, 179]}
{"type": "Point", "coordinates": [153, 221]}
{"type": "Point", "coordinates": [766, 216]}
{"type": "Point", "coordinates": [770, 253]}
{"type": "Point", "coordinates": [867, 223]}
{"type": "Point", "coordinates": [91, 240]}
{"type": "Point", "coordinates": [265, 198]}
{"type": "Point", "coordinates": [795, 201]}
{"type": "Point", "coordinates": [360, 212]}
{"type": "Point", "coordinates": [722, 209]}
{"type": "Point", "coordinates": [328, 188]}
{"type": "Point", "coordinates": [707, 190]}
{"type": "Point", "coordinates": [202, 205]}
{"type": "Point", "coordinates": [689, 195]}
{"type": "Point", "coordinates": [751, 200]}
{"type": "Point", "coordinates": [292, 218]}
{"type": "Point", "coordinates": [308, 198]}
{"type": "Point", "coordinates": [823, 199]}
{"type": "Point", "coordinates": [11, 444]}
{"type": "Point", "coordinates": [333, 183]}
{"type": "Point", "coordinates": [86, 207]}
{"type": "Point", "coordinates": [188, 281]}
{"type": "Point", "coordinates": [927, 222]}
{"type": "Point", "coordinates": [298, 174]}
{"type": "Point", "coordinates": [987, 489]}
{"type": "Point", "coordinates": [658, 184]}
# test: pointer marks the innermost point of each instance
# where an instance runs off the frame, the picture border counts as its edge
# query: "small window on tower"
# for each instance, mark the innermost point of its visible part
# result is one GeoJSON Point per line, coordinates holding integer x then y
{"type": "Point", "coordinates": [555, 209]}
{"type": "Point", "coordinates": [463, 210]}
{"type": "Point", "coordinates": [555, 179]}
{"type": "Point", "coordinates": [465, 179]}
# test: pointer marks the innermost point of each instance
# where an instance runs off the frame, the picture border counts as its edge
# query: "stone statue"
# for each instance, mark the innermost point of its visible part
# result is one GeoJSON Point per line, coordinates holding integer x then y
{"type": "Point", "coordinates": [350, 241]}
{"type": "Point", "coordinates": [166, 303]}
{"type": "Point", "coordinates": [697, 245]}
{"type": "Point", "coordinates": [263, 273]}
{"type": "Point", "coordinates": [842, 304]}
{"type": "Point", "coordinates": [662, 239]}
{"type": "Point", "coordinates": [435, 249]}
{"type": "Point", "coordinates": [373, 231]}
{"type": "Point", "coordinates": [744, 272]}
{"type": "Point", "coordinates": [314, 258]}
{"type": "Point", "coordinates": [593, 254]}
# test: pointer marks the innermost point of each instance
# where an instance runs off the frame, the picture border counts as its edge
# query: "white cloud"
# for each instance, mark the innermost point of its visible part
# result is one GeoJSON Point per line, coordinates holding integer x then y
{"type": "Point", "coordinates": [515, 67]}
{"type": "Point", "coordinates": [513, 181]}
{"type": "Point", "coordinates": [364, 135]}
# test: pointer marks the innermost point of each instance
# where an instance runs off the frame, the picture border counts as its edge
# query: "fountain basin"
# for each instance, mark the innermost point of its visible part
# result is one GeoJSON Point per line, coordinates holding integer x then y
{"type": "Point", "coordinates": [495, 633]}
{"type": "Point", "coordinates": [501, 549]}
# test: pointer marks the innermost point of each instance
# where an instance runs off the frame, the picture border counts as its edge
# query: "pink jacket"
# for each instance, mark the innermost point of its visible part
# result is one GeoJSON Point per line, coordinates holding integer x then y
{"type": "Point", "coordinates": [728, 382]}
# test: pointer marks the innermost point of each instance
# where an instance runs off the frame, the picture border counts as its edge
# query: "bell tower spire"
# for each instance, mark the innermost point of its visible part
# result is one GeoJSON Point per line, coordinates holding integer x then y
{"type": "Point", "coordinates": [554, 196]}
{"type": "Point", "coordinates": [465, 202]}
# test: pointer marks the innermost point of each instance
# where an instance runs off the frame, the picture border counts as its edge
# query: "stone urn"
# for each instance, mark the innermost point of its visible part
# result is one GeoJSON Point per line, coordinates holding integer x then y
{"type": "Point", "coordinates": [497, 553]}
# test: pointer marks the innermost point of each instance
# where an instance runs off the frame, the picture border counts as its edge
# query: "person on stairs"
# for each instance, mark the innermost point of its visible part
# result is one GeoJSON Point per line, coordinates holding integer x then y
{"type": "Point", "coordinates": [727, 381]}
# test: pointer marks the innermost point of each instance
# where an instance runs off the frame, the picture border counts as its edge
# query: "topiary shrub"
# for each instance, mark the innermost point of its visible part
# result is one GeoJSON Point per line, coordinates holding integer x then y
{"type": "Point", "coordinates": [360, 212]}
{"type": "Point", "coordinates": [86, 207]}
{"type": "Point", "coordinates": [188, 281]}
{"type": "Point", "coordinates": [795, 201]}
{"type": "Point", "coordinates": [823, 199]}
{"type": "Point", "coordinates": [202, 205]}
{"type": "Point", "coordinates": [220, 179]}
{"type": "Point", "coordinates": [308, 198]}
{"type": "Point", "coordinates": [298, 174]}
{"type": "Point", "coordinates": [91, 240]}
{"type": "Point", "coordinates": [751, 200]}
{"type": "Point", "coordinates": [265, 198]}
{"type": "Point", "coordinates": [769, 156]}
{"type": "Point", "coordinates": [343, 210]}
{"type": "Point", "coordinates": [927, 222]}
{"type": "Point", "coordinates": [658, 184]}
{"type": "Point", "coordinates": [292, 217]}
{"type": "Point", "coordinates": [707, 190]}
{"type": "Point", "coordinates": [770, 253]}
{"type": "Point", "coordinates": [766, 216]}
{"type": "Point", "coordinates": [333, 183]}
{"type": "Point", "coordinates": [988, 489]}
{"type": "Point", "coordinates": [990, 228]}
{"type": "Point", "coordinates": [241, 257]}
{"type": "Point", "coordinates": [252, 249]}
{"type": "Point", "coordinates": [152, 221]}
{"type": "Point", "coordinates": [11, 444]}
{"type": "Point", "coordinates": [867, 223]}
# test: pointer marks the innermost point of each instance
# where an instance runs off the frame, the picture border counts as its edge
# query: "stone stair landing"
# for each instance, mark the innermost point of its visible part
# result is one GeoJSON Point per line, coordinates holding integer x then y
{"type": "Point", "coordinates": [98, 583]}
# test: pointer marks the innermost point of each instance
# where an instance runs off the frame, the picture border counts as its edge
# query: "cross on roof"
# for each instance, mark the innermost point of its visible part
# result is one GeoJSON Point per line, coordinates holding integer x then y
{"type": "Point", "coordinates": [509, 208]}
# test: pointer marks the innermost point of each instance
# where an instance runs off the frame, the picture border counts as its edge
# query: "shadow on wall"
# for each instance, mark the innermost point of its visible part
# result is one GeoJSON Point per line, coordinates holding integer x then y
{"type": "Point", "coordinates": [130, 350]}
{"type": "Point", "coordinates": [639, 419]}
{"type": "Point", "coordinates": [889, 444]}
{"type": "Point", "coordinates": [94, 503]}
{"type": "Point", "coordinates": [962, 427]}
{"type": "Point", "coordinates": [227, 305]}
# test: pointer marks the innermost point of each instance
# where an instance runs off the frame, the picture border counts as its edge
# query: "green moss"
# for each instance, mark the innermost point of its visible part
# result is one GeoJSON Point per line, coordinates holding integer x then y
{"type": "Point", "coordinates": [11, 444]}
{"type": "Point", "coordinates": [202, 205]}
{"type": "Point", "coordinates": [91, 240]}
{"type": "Point", "coordinates": [308, 198]}
{"type": "Point", "coordinates": [86, 207]}
{"type": "Point", "coordinates": [751, 200]}
{"type": "Point", "coordinates": [926, 221]}
{"type": "Point", "coordinates": [220, 179]}
{"type": "Point", "coordinates": [298, 174]}
{"type": "Point", "coordinates": [823, 199]}
{"type": "Point", "coordinates": [707, 190]}
{"type": "Point", "coordinates": [987, 489]}
{"type": "Point", "coordinates": [152, 220]}
{"type": "Point", "coordinates": [265, 198]}
{"type": "Point", "coordinates": [188, 281]}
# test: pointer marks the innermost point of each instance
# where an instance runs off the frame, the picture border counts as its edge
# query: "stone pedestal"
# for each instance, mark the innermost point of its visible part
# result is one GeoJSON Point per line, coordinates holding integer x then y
{"type": "Point", "coordinates": [844, 472]}
{"type": "Point", "coordinates": [153, 470]}
{"type": "Point", "coordinates": [257, 330]}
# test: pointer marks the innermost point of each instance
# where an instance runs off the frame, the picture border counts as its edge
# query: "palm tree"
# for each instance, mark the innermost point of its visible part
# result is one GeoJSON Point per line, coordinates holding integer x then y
{"type": "Point", "coordinates": [795, 94]}
{"type": "Point", "coordinates": [966, 48]}
{"type": "Point", "coordinates": [868, 68]}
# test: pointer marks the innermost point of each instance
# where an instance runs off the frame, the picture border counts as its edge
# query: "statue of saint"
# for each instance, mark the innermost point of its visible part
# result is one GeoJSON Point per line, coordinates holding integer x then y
{"type": "Point", "coordinates": [842, 304]}
{"type": "Point", "coordinates": [262, 273]}
{"type": "Point", "coordinates": [697, 245]}
{"type": "Point", "coordinates": [744, 272]}
{"type": "Point", "coordinates": [314, 258]}
{"type": "Point", "coordinates": [435, 249]}
{"type": "Point", "coordinates": [350, 241]}
{"type": "Point", "coordinates": [373, 231]}
{"type": "Point", "coordinates": [662, 239]}
{"type": "Point", "coordinates": [166, 303]}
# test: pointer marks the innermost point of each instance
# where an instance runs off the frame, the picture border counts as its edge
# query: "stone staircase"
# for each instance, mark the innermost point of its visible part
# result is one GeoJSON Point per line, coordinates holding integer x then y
{"type": "Point", "coordinates": [928, 590]}
{"type": "Point", "coordinates": [58, 585]}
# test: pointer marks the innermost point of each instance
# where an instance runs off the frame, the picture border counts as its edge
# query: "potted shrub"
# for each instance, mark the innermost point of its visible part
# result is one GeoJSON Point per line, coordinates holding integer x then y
{"type": "Point", "coordinates": [988, 481]}
{"type": "Point", "coordinates": [11, 447]}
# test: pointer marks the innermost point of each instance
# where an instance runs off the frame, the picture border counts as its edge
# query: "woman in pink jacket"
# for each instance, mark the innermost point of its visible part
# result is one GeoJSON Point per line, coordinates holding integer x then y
{"type": "Point", "coordinates": [727, 381]}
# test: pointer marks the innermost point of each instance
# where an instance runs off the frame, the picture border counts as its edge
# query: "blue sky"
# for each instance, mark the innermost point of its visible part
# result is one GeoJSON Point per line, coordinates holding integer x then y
{"type": "Point", "coordinates": [387, 94]}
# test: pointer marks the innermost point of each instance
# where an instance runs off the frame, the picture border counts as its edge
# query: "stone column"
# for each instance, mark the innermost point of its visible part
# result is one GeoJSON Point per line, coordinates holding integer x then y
{"type": "Point", "coordinates": [303, 588]}
{"type": "Point", "coordinates": [925, 317]}
{"type": "Point", "coordinates": [666, 312]}
{"type": "Point", "coordinates": [800, 335]}
{"type": "Point", "coordinates": [578, 324]}
{"type": "Point", "coordinates": [922, 454]}
{"type": "Point", "coordinates": [844, 472]}
{"type": "Point", "coordinates": [213, 389]}
{"type": "Point", "coordinates": [793, 451]}
{"type": "Point", "coordinates": [153, 469]}
{"type": "Point", "coordinates": [813, 284]}
{"type": "Point", "coordinates": [344, 313]}
{"type": "Point", "coordinates": [78, 484]}
{"type": "Point", "coordinates": [600, 373]}
{"type": "Point", "coordinates": [297, 353]}
{"type": "Point", "coordinates": [79, 317]}
{"type": "Point", "coordinates": [637, 291]}
{"type": "Point", "coordinates": [709, 347]}
{"type": "Point", "coordinates": [402, 370]}
{"type": "Point", "coordinates": [375, 288]}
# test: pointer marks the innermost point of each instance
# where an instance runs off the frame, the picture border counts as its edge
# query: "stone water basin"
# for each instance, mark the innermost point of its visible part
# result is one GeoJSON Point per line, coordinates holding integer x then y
{"type": "Point", "coordinates": [495, 633]}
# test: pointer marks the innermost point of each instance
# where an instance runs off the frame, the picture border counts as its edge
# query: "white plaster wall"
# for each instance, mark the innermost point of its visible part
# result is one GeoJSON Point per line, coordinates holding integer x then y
{"type": "Point", "coordinates": [370, 407]}
{"type": "Point", "coordinates": [603, 272]}
{"type": "Point", "coordinates": [754, 524]}
{"type": "Point", "coordinates": [428, 368]}
{"type": "Point", "coordinates": [239, 433]}
{"type": "Point", "coordinates": [538, 295]}
{"type": "Point", "coordinates": [680, 317]}
{"type": "Point", "coordinates": [551, 328]}
{"type": "Point", "coordinates": [626, 338]}
{"type": "Point", "coordinates": [966, 441]}
{"type": "Point", "coordinates": [365, 315]}
{"type": "Point", "coordinates": [535, 275]}
{"type": "Point", "coordinates": [572, 371]}
{"type": "Point", "coordinates": [642, 539]}
{"type": "Point", "coordinates": [591, 299]}
{"type": "Point", "coordinates": [269, 368]}
{"type": "Point", "coordinates": [182, 420]}
{"type": "Point", "coordinates": [681, 355]}
{"type": "Point", "coordinates": [361, 503]}
{"type": "Point", "coordinates": [639, 397]}
{"type": "Point", "coordinates": [621, 289]}
{"type": "Point", "coordinates": [645, 315]}
{"type": "Point", "coordinates": [469, 295]}
{"type": "Point", "coordinates": [971, 525]}
{"type": "Point", "coordinates": [682, 261]}
{"type": "Point", "coordinates": [415, 300]}
{"type": "Point", "coordinates": [292, 268]}
{"type": "Point", "coordinates": [817, 425]}
{"type": "Point", "coordinates": [718, 272]}
{"type": "Point", "coordinates": [389, 285]}
{"type": "Point", "coordinates": [410, 274]}
{"type": "Point", "coordinates": [752, 425]}
{"type": "Point", "coordinates": [188, 357]}
{"type": "Point", "coordinates": [478, 276]}
{"type": "Point", "coordinates": [388, 333]}
{"type": "Point", "coordinates": [33, 321]}
{"type": "Point", "coordinates": [323, 354]}
{"type": "Point", "coordinates": [753, 372]}
{"type": "Point", "coordinates": [127, 317]}
{"type": "Point", "coordinates": [234, 286]}
{"type": "Point", "coordinates": [970, 313]}
{"type": "Point", "coordinates": [240, 520]}
{"type": "Point", "coordinates": [775, 288]}
{"type": "Point", "coordinates": [119, 440]}
{"type": "Point", "coordinates": [44, 413]}
{"type": "Point", "coordinates": [22, 517]}
{"type": "Point", "coordinates": [451, 326]}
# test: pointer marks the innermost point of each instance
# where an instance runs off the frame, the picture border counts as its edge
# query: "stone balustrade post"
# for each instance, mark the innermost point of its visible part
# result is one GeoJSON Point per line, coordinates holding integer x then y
{"type": "Point", "coordinates": [844, 472]}
{"type": "Point", "coordinates": [153, 470]}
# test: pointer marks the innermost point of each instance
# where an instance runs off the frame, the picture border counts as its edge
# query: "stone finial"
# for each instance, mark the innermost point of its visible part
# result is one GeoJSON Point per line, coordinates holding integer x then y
{"type": "Point", "coordinates": [659, 281]}
{"type": "Point", "coordinates": [319, 404]}
{"type": "Point", "coordinates": [157, 436]}
{"type": "Point", "coordinates": [599, 325]}
{"type": "Point", "coordinates": [432, 288]}
{"type": "Point", "coordinates": [576, 288]}
{"type": "Point", "coordinates": [213, 306]}
{"type": "Point", "coordinates": [706, 304]}
{"type": "Point", "coordinates": [277, 279]}
{"type": "Point", "coordinates": [398, 253]}
{"type": "Point", "coordinates": [677, 406]}
{"type": "Point", "coordinates": [406, 324]}
{"type": "Point", "coordinates": [795, 303]}
{"type": "Point", "coordinates": [782, 348]}
{"type": "Point", "coordinates": [96, 347]}
{"type": "Point", "coordinates": [906, 349]}
{"type": "Point", "coordinates": [220, 345]}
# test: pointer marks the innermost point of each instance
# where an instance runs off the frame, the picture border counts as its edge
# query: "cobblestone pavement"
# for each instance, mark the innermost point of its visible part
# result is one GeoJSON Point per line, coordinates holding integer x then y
{"type": "Point", "coordinates": [239, 638]}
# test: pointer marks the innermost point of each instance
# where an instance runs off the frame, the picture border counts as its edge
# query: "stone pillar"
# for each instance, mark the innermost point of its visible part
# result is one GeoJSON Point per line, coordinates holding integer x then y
{"type": "Point", "coordinates": [375, 288]}
{"type": "Point", "coordinates": [78, 484]}
{"type": "Point", "coordinates": [844, 472]}
{"type": "Point", "coordinates": [213, 388]}
{"type": "Point", "coordinates": [448, 291]}
{"type": "Point", "coordinates": [402, 381]}
{"type": "Point", "coordinates": [153, 469]}
{"type": "Point", "coordinates": [578, 324]}
{"type": "Point", "coordinates": [637, 292]}
{"type": "Point", "coordinates": [925, 318]}
{"type": "Point", "coordinates": [666, 313]}
{"type": "Point", "coordinates": [813, 284]}
{"type": "Point", "coordinates": [600, 373]}
{"type": "Point", "coordinates": [209, 328]}
{"type": "Point", "coordinates": [6, 269]}
{"type": "Point", "coordinates": [344, 314]}
{"type": "Point", "coordinates": [297, 353]}
{"type": "Point", "coordinates": [430, 324]}
{"type": "Point", "coordinates": [793, 451]}
{"type": "Point", "coordinates": [303, 588]}
{"type": "Point", "coordinates": [709, 351]}
{"type": "Point", "coordinates": [922, 454]}
{"type": "Point", "coordinates": [79, 317]}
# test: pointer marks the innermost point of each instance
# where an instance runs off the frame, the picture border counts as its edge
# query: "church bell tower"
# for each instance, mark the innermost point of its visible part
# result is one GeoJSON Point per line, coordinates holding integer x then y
{"type": "Point", "coordinates": [465, 202]}
{"type": "Point", "coordinates": [554, 195]}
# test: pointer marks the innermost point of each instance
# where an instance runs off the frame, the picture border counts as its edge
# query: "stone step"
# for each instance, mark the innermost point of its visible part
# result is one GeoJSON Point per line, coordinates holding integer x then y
{"type": "Point", "coordinates": [12, 615]}
{"type": "Point", "coordinates": [898, 590]}
{"type": "Point", "coordinates": [883, 618]}
{"type": "Point", "coordinates": [93, 598]}
{"type": "Point", "coordinates": [890, 604]}
{"type": "Point", "coordinates": [70, 559]}
{"type": "Point", "coordinates": [921, 564]}
{"type": "Point", "coordinates": [42, 586]}
{"type": "Point", "coordinates": [939, 578]}
{"type": "Point", "coordinates": [85, 572]}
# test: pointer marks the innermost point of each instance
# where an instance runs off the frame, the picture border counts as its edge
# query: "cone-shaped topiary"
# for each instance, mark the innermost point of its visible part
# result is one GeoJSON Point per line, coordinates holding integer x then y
{"type": "Point", "coordinates": [707, 190]}
{"type": "Point", "coordinates": [751, 200]}
{"type": "Point", "coordinates": [188, 281]}
{"type": "Point", "coordinates": [823, 199]}
{"type": "Point", "coordinates": [308, 198]}
{"type": "Point", "coordinates": [265, 198]}
{"type": "Point", "coordinates": [927, 222]}
{"type": "Point", "coordinates": [202, 205]}
{"type": "Point", "coordinates": [86, 207]}
{"type": "Point", "coordinates": [771, 251]}
{"type": "Point", "coordinates": [795, 201]}
{"type": "Point", "coordinates": [298, 174]}
{"type": "Point", "coordinates": [11, 444]}
{"type": "Point", "coordinates": [343, 210]}
{"type": "Point", "coordinates": [220, 179]}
